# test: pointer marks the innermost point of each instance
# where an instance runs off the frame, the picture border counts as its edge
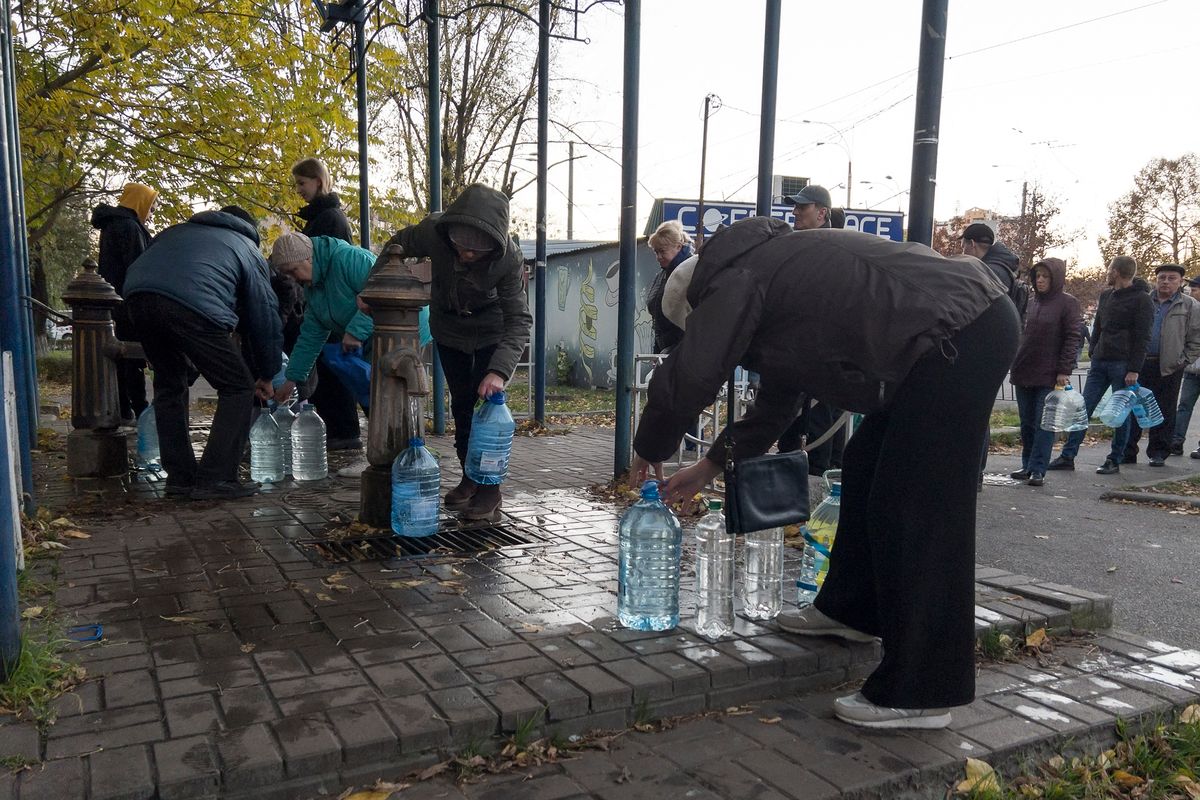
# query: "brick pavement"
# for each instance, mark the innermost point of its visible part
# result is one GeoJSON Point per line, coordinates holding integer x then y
{"type": "Point", "coordinates": [234, 664]}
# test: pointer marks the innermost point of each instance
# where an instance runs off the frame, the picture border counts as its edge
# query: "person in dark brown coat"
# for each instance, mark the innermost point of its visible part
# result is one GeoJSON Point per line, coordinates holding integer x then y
{"type": "Point", "coordinates": [920, 344]}
{"type": "Point", "coordinates": [1046, 358]}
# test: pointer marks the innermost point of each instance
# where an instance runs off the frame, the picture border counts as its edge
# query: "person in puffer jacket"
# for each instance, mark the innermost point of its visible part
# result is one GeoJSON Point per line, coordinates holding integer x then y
{"type": "Point", "coordinates": [1046, 358]}
{"type": "Point", "coordinates": [920, 344]}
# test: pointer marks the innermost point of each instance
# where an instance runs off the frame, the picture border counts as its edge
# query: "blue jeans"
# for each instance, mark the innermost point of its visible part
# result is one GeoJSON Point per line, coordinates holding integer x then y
{"type": "Point", "coordinates": [1036, 443]}
{"type": "Point", "coordinates": [1189, 392]}
{"type": "Point", "coordinates": [1102, 375]}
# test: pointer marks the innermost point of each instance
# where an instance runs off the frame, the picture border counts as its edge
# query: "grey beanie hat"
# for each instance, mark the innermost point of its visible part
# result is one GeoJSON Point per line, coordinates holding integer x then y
{"type": "Point", "coordinates": [290, 248]}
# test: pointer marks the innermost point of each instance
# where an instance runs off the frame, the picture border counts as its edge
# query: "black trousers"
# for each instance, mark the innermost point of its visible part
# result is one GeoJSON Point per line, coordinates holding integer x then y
{"type": "Point", "coordinates": [903, 561]}
{"type": "Point", "coordinates": [1166, 392]}
{"type": "Point", "coordinates": [131, 372]}
{"type": "Point", "coordinates": [172, 335]}
{"type": "Point", "coordinates": [463, 373]}
{"type": "Point", "coordinates": [335, 403]}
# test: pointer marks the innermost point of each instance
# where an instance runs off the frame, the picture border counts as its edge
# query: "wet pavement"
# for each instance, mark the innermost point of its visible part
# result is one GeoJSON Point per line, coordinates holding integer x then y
{"type": "Point", "coordinates": [236, 661]}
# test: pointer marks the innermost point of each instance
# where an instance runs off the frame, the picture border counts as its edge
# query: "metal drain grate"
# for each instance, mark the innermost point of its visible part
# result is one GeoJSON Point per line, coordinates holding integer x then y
{"type": "Point", "coordinates": [449, 541]}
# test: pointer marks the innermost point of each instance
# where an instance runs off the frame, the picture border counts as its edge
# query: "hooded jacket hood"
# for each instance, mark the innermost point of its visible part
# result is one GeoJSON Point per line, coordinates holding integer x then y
{"type": "Point", "coordinates": [105, 214]}
{"type": "Point", "coordinates": [219, 219]}
{"type": "Point", "coordinates": [1058, 275]}
{"type": "Point", "coordinates": [1053, 333]}
{"type": "Point", "coordinates": [480, 207]}
{"type": "Point", "coordinates": [139, 197]}
{"type": "Point", "coordinates": [999, 255]}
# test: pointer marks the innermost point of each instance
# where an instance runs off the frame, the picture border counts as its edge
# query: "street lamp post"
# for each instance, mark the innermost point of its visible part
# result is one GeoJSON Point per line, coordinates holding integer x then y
{"type": "Point", "coordinates": [845, 148]}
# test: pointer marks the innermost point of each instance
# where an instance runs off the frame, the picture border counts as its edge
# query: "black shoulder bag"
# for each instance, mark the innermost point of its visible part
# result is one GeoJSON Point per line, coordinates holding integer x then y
{"type": "Point", "coordinates": [767, 491]}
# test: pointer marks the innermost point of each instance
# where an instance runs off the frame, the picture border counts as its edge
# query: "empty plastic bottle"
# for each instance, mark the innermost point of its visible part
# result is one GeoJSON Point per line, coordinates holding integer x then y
{"type": "Point", "coordinates": [649, 548]}
{"type": "Point", "coordinates": [266, 451]}
{"type": "Point", "coordinates": [309, 460]}
{"type": "Point", "coordinates": [1147, 411]}
{"type": "Point", "coordinates": [490, 444]}
{"type": "Point", "coordinates": [762, 574]}
{"type": "Point", "coordinates": [284, 417]}
{"type": "Point", "coordinates": [714, 574]}
{"type": "Point", "coordinates": [416, 487]}
{"type": "Point", "coordinates": [1114, 411]}
{"type": "Point", "coordinates": [806, 583]}
{"type": "Point", "coordinates": [148, 455]}
{"type": "Point", "coordinates": [1064, 410]}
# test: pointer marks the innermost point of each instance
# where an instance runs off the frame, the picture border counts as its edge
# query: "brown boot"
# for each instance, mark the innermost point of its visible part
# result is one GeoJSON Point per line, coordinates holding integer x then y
{"type": "Point", "coordinates": [458, 497]}
{"type": "Point", "coordinates": [485, 505]}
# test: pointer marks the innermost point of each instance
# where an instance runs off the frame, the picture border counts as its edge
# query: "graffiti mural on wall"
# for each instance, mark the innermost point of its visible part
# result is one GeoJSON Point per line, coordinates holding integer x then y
{"type": "Point", "coordinates": [582, 325]}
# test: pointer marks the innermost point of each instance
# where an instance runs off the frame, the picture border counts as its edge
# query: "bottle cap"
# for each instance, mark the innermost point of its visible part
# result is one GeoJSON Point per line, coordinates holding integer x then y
{"type": "Point", "coordinates": [497, 398]}
{"type": "Point", "coordinates": [650, 490]}
{"type": "Point", "coordinates": [714, 504]}
{"type": "Point", "coordinates": [416, 441]}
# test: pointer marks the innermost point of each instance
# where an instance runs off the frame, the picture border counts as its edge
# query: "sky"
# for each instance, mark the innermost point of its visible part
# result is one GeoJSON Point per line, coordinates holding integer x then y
{"type": "Point", "coordinates": [1073, 96]}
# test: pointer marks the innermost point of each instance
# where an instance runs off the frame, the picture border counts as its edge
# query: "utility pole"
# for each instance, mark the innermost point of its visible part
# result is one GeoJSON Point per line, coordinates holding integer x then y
{"type": "Point", "coordinates": [708, 98]}
{"type": "Point", "coordinates": [849, 179]}
{"type": "Point", "coordinates": [927, 123]}
{"type": "Point", "coordinates": [570, 190]}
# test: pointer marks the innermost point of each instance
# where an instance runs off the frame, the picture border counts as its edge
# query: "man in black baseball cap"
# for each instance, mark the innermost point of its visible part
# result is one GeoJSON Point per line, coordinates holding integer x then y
{"type": "Point", "coordinates": [812, 207]}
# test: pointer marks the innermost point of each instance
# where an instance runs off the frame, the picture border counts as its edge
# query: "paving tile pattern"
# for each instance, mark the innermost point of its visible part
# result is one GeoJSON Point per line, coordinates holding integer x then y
{"type": "Point", "coordinates": [232, 663]}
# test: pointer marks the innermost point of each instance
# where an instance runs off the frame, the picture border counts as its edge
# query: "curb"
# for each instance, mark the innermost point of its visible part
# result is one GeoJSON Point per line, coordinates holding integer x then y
{"type": "Point", "coordinates": [1150, 497]}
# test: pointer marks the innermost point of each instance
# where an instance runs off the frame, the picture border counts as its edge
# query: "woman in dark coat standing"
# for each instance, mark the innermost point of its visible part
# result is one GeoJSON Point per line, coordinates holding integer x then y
{"type": "Point", "coordinates": [323, 216]}
{"type": "Point", "coordinates": [124, 237]}
{"type": "Point", "coordinates": [1046, 358]}
{"type": "Point", "coordinates": [917, 342]}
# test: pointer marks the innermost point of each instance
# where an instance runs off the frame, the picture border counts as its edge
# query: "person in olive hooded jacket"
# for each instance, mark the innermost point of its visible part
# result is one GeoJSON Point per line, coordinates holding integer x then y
{"type": "Point", "coordinates": [920, 344]}
{"type": "Point", "coordinates": [1046, 358]}
{"type": "Point", "coordinates": [478, 313]}
{"type": "Point", "coordinates": [123, 237]}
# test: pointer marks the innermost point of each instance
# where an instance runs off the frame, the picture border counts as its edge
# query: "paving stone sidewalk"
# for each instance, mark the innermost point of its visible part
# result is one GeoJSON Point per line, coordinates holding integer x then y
{"type": "Point", "coordinates": [235, 664]}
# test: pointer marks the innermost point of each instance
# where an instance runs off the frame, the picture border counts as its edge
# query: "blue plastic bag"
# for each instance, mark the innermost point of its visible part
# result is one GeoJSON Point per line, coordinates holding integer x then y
{"type": "Point", "coordinates": [351, 369]}
{"type": "Point", "coordinates": [423, 326]}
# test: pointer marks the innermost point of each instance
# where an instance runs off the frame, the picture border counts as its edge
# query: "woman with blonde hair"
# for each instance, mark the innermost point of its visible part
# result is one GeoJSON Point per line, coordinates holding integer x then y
{"type": "Point", "coordinates": [323, 214]}
{"type": "Point", "coordinates": [671, 247]}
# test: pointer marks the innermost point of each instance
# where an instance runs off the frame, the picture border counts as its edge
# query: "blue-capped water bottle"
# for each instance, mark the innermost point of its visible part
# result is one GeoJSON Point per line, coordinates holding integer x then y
{"type": "Point", "coordinates": [1115, 410]}
{"type": "Point", "coordinates": [649, 547]}
{"type": "Point", "coordinates": [416, 488]}
{"type": "Point", "coordinates": [148, 456]}
{"type": "Point", "coordinates": [1146, 409]}
{"type": "Point", "coordinates": [490, 444]}
{"type": "Point", "coordinates": [266, 452]}
{"type": "Point", "coordinates": [819, 533]}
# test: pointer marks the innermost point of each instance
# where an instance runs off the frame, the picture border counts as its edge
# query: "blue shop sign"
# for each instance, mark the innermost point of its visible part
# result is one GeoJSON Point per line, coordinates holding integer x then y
{"type": "Point", "coordinates": [888, 224]}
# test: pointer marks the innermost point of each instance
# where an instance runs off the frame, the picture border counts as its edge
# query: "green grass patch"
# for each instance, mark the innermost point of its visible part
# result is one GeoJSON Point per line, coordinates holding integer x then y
{"type": "Point", "coordinates": [41, 674]}
{"type": "Point", "coordinates": [1005, 418]}
{"type": "Point", "coordinates": [1155, 763]}
{"type": "Point", "coordinates": [1189, 487]}
{"type": "Point", "coordinates": [560, 399]}
{"type": "Point", "coordinates": [55, 366]}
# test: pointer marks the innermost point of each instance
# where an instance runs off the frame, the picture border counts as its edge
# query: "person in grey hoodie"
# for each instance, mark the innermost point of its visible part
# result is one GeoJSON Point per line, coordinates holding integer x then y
{"type": "Point", "coordinates": [1189, 391]}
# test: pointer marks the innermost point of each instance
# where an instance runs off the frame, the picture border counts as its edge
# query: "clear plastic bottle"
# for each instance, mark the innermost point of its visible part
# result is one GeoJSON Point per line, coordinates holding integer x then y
{"type": "Point", "coordinates": [714, 574]}
{"type": "Point", "coordinates": [284, 417]}
{"type": "Point", "coordinates": [1064, 410]}
{"type": "Point", "coordinates": [650, 542]}
{"type": "Point", "coordinates": [416, 488]}
{"type": "Point", "coordinates": [266, 452]}
{"type": "Point", "coordinates": [806, 584]}
{"type": "Point", "coordinates": [1147, 410]}
{"type": "Point", "coordinates": [309, 460]}
{"type": "Point", "coordinates": [1114, 411]}
{"type": "Point", "coordinates": [762, 574]}
{"type": "Point", "coordinates": [822, 525]}
{"type": "Point", "coordinates": [490, 444]}
{"type": "Point", "coordinates": [148, 456]}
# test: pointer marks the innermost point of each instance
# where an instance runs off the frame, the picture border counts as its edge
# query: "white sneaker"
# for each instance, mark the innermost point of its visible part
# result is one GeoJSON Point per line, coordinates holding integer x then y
{"type": "Point", "coordinates": [808, 621]}
{"type": "Point", "coordinates": [354, 470]}
{"type": "Point", "coordinates": [858, 710]}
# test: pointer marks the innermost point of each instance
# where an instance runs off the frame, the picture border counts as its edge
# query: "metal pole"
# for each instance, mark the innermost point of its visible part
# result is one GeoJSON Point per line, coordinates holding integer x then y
{"type": "Point", "coordinates": [928, 121]}
{"type": "Point", "coordinates": [703, 160]}
{"type": "Point", "coordinates": [628, 237]}
{"type": "Point", "coordinates": [10, 624]}
{"type": "Point", "coordinates": [14, 312]}
{"type": "Point", "coordinates": [849, 180]}
{"type": "Point", "coordinates": [539, 265]}
{"type": "Point", "coordinates": [364, 198]}
{"type": "Point", "coordinates": [570, 190]}
{"type": "Point", "coordinates": [766, 130]}
{"type": "Point", "coordinates": [435, 182]}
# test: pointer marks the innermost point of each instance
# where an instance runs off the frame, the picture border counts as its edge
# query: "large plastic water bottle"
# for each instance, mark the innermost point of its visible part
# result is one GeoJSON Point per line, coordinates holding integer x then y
{"type": "Point", "coordinates": [148, 456]}
{"type": "Point", "coordinates": [309, 460]}
{"type": "Point", "coordinates": [266, 453]}
{"type": "Point", "coordinates": [284, 417]}
{"type": "Point", "coordinates": [490, 444]}
{"type": "Point", "coordinates": [762, 574]}
{"type": "Point", "coordinates": [1147, 410]}
{"type": "Point", "coordinates": [1064, 410]}
{"type": "Point", "coordinates": [714, 574]}
{"type": "Point", "coordinates": [1114, 411]}
{"type": "Point", "coordinates": [822, 525]}
{"type": "Point", "coordinates": [649, 547]}
{"type": "Point", "coordinates": [416, 487]}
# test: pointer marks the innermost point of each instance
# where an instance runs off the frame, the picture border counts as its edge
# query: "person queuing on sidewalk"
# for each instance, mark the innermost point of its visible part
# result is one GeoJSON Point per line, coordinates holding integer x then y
{"type": "Point", "coordinates": [671, 247]}
{"type": "Point", "coordinates": [1189, 392]}
{"type": "Point", "coordinates": [124, 237]}
{"type": "Point", "coordinates": [323, 216]}
{"type": "Point", "coordinates": [478, 313]}
{"type": "Point", "coordinates": [1119, 338]}
{"type": "Point", "coordinates": [923, 360]}
{"type": "Point", "coordinates": [1174, 345]}
{"type": "Point", "coordinates": [332, 274]}
{"type": "Point", "coordinates": [201, 281]}
{"type": "Point", "coordinates": [1050, 343]}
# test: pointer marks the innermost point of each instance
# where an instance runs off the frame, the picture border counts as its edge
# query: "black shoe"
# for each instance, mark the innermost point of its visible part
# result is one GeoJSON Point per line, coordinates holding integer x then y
{"type": "Point", "coordinates": [1158, 462]}
{"type": "Point", "coordinates": [224, 490]}
{"type": "Point", "coordinates": [178, 491]}
{"type": "Point", "coordinates": [1062, 463]}
{"type": "Point", "coordinates": [1177, 449]}
{"type": "Point", "coordinates": [1037, 479]}
{"type": "Point", "coordinates": [1196, 453]}
{"type": "Point", "coordinates": [1019, 475]}
{"type": "Point", "coordinates": [1129, 459]}
{"type": "Point", "coordinates": [1110, 467]}
{"type": "Point", "coordinates": [354, 443]}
